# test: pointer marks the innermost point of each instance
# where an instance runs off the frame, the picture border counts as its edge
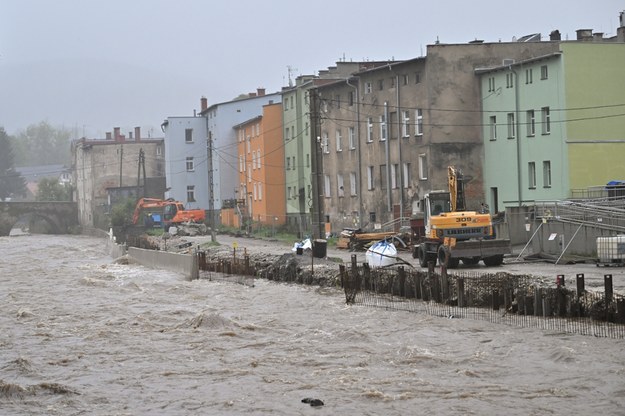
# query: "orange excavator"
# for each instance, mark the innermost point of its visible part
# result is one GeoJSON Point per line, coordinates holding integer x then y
{"type": "Point", "coordinates": [170, 211]}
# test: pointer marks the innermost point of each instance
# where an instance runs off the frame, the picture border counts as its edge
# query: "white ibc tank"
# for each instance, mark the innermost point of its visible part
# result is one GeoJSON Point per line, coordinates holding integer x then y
{"type": "Point", "coordinates": [611, 249]}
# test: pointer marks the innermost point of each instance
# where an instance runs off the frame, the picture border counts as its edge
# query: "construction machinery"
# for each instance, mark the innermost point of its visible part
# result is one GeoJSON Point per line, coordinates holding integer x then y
{"type": "Point", "coordinates": [171, 213]}
{"type": "Point", "coordinates": [450, 233]}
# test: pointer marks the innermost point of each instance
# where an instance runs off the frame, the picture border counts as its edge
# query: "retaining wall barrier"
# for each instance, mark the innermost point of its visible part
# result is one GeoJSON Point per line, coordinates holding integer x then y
{"type": "Point", "coordinates": [186, 264]}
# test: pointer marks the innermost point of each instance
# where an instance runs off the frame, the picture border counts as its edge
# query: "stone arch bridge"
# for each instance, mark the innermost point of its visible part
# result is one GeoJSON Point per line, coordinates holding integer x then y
{"type": "Point", "coordinates": [60, 216]}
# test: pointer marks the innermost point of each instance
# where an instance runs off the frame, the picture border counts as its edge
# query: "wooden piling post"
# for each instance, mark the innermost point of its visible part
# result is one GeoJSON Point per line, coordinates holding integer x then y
{"type": "Point", "coordinates": [461, 298]}
{"type": "Point", "coordinates": [609, 290]}
{"type": "Point", "coordinates": [495, 299]}
{"type": "Point", "coordinates": [402, 281]}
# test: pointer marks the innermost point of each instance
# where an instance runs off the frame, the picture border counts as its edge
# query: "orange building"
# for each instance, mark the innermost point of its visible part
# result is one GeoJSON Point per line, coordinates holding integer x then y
{"type": "Point", "coordinates": [261, 192]}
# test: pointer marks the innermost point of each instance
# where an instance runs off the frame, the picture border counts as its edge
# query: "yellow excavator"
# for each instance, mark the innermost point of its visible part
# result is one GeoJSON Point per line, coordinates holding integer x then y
{"type": "Point", "coordinates": [453, 233]}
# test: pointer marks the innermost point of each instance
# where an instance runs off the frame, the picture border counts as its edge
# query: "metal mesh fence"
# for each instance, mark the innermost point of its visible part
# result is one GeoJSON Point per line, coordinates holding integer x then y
{"type": "Point", "coordinates": [233, 270]}
{"type": "Point", "coordinates": [500, 298]}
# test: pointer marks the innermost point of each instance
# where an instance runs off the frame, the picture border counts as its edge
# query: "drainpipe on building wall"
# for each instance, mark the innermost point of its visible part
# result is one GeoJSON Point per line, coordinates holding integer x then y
{"type": "Point", "coordinates": [399, 143]}
{"type": "Point", "coordinates": [359, 170]}
{"type": "Point", "coordinates": [518, 137]}
{"type": "Point", "coordinates": [389, 201]}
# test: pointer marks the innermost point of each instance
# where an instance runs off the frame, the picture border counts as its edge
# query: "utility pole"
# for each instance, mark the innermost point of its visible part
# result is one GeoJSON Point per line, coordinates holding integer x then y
{"type": "Point", "coordinates": [139, 166]}
{"type": "Point", "coordinates": [211, 195]}
{"type": "Point", "coordinates": [317, 167]}
{"type": "Point", "coordinates": [121, 163]}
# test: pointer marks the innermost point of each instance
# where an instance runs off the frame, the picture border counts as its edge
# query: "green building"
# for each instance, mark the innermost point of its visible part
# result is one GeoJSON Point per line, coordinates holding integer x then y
{"type": "Point", "coordinates": [554, 125]}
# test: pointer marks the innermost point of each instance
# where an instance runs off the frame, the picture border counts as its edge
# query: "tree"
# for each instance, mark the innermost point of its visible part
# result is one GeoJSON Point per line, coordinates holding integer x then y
{"type": "Point", "coordinates": [52, 190]}
{"type": "Point", "coordinates": [11, 182]}
{"type": "Point", "coordinates": [42, 144]}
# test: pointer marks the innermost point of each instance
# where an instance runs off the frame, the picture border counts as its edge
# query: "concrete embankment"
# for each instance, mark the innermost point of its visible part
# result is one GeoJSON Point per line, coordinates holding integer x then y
{"type": "Point", "coordinates": [186, 264]}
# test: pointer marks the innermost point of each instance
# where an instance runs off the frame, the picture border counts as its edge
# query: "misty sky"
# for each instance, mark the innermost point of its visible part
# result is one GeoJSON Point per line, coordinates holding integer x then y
{"type": "Point", "coordinates": [92, 65]}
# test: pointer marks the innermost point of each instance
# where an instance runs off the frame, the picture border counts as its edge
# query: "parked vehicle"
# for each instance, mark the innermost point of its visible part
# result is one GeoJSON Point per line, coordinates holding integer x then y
{"type": "Point", "coordinates": [452, 233]}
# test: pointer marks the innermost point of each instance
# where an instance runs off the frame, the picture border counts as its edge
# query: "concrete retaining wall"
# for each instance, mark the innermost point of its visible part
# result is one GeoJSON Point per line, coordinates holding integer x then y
{"type": "Point", "coordinates": [186, 264]}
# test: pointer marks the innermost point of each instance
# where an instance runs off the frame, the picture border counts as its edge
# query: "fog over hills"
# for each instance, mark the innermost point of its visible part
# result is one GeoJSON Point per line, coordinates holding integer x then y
{"type": "Point", "coordinates": [85, 95]}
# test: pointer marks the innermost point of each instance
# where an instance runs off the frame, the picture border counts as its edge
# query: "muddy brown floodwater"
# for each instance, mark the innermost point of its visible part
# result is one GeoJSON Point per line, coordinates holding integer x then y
{"type": "Point", "coordinates": [82, 335]}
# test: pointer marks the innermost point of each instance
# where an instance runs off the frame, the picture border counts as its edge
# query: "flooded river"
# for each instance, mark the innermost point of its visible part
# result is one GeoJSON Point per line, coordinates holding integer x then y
{"type": "Point", "coordinates": [81, 335]}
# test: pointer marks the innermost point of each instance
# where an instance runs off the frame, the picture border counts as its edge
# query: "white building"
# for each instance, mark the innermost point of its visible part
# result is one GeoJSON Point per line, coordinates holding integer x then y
{"type": "Point", "coordinates": [187, 150]}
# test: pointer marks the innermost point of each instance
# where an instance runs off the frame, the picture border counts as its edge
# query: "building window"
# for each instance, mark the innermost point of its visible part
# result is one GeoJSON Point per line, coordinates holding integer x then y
{"type": "Point", "coordinates": [405, 123]}
{"type": "Point", "coordinates": [351, 136]}
{"type": "Point", "coordinates": [493, 127]}
{"type": "Point", "coordinates": [382, 127]}
{"type": "Point", "coordinates": [188, 135]}
{"type": "Point", "coordinates": [254, 192]}
{"type": "Point", "coordinates": [368, 88]}
{"type": "Point", "coordinates": [380, 84]}
{"type": "Point", "coordinates": [491, 84]}
{"type": "Point", "coordinates": [423, 167]}
{"type": "Point", "coordinates": [339, 140]}
{"type": "Point", "coordinates": [325, 143]}
{"type": "Point", "coordinates": [369, 129]}
{"type": "Point", "coordinates": [190, 166]}
{"type": "Point", "coordinates": [509, 80]}
{"type": "Point", "coordinates": [337, 99]}
{"type": "Point", "coordinates": [405, 79]}
{"type": "Point", "coordinates": [249, 173]}
{"type": "Point", "coordinates": [370, 178]}
{"type": "Point", "coordinates": [352, 184]}
{"type": "Point", "coordinates": [419, 122]}
{"type": "Point", "coordinates": [417, 77]}
{"type": "Point", "coordinates": [392, 125]}
{"type": "Point", "coordinates": [392, 82]}
{"type": "Point", "coordinates": [288, 134]}
{"type": "Point", "coordinates": [382, 176]}
{"type": "Point", "coordinates": [394, 172]}
{"type": "Point", "coordinates": [531, 123]}
{"type": "Point", "coordinates": [407, 176]}
{"type": "Point", "coordinates": [546, 120]}
{"type": "Point", "coordinates": [159, 151]}
{"type": "Point", "coordinates": [529, 78]}
{"type": "Point", "coordinates": [511, 125]}
{"type": "Point", "coordinates": [190, 193]}
{"type": "Point", "coordinates": [291, 99]}
{"type": "Point", "coordinates": [547, 174]}
{"type": "Point", "coordinates": [531, 170]}
{"type": "Point", "coordinates": [326, 186]}
{"type": "Point", "coordinates": [350, 98]}
{"type": "Point", "coordinates": [249, 145]}
{"type": "Point", "coordinates": [288, 163]}
{"type": "Point", "coordinates": [339, 186]}
{"type": "Point", "coordinates": [544, 74]}
{"type": "Point", "coordinates": [260, 191]}
{"type": "Point", "coordinates": [289, 193]}
{"type": "Point", "coordinates": [307, 160]}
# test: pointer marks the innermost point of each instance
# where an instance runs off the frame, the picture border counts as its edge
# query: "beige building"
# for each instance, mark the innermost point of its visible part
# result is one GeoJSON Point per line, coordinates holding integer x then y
{"type": "Point", "coordinates": [389, 133]}
{"type": "Point", "coordinates": [110, 168]}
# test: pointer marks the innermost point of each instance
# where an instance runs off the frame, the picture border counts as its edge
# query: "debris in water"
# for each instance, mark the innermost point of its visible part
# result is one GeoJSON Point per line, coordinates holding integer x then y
{"type": "Point", "coordinates": [313, 402]}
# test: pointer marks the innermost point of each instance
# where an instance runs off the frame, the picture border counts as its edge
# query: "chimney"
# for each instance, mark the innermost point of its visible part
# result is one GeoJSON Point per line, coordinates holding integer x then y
{"type": "Point", "coordinates": [130, 135]}
{"type": "Point", "coordinates": [116, 134]}
{"type": "Point", "coordinates": [620, 34]}
{"type": "Point", "coordinates": [137, 134]}
{"type": "Point", "coordinates": [109, 136]}
{"type": "Point", "coordinates": [555, 35]}
{"type": "Point", "coordinates": [597, 36]}
{"type": "Point", "coordinates": [203, 104]}
{"type": "Point", "coordinates": [584, 34]}
{"type": "Point", "coordinates": [260, 91]}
